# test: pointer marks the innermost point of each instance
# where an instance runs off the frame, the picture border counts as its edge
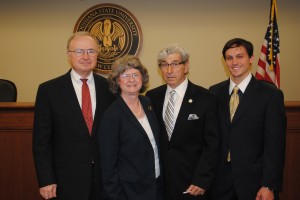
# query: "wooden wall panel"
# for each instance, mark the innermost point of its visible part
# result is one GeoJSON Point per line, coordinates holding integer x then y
{"type": "Point", "coordinates": [17, 174]}
{"type": "Point", "coordinates": [291, 182]}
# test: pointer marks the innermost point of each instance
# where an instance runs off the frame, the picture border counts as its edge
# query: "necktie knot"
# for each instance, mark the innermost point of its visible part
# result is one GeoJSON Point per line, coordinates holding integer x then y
{"type": "Point", "coordinates": [236, 90]}
{"type": "Point", "coordinates": [172, 94]}
{"type": "Point", "coordinates": [84, 80]}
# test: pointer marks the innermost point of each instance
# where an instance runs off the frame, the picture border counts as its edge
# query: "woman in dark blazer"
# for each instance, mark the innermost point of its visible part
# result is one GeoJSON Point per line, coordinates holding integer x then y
{"type": "Point", "coordinates": [128, 137]}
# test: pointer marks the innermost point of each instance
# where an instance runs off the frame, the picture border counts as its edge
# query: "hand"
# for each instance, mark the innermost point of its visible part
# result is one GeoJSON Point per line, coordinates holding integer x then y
{"type": "Point", "coordinates": [264, 194]}
{"type": "Point", "coordinates": [48, 191]}
{"type": "Point", "coordinates": [195, 190]}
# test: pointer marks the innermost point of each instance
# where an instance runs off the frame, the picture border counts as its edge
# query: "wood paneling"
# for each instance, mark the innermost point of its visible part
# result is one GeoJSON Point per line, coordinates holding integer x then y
{"type": "Point", "coordinates": [291, 182]}
{"type": "Point", "coordinates": [17, 175]}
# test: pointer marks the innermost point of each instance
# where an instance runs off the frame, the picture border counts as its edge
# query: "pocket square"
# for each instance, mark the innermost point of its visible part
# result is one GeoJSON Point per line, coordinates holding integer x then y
{"type": "Point", "coordinates": [193, 117]}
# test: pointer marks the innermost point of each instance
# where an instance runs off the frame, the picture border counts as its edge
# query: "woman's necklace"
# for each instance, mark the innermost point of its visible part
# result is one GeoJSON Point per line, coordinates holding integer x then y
{"type": "Point", "coordinates": [140, 110]}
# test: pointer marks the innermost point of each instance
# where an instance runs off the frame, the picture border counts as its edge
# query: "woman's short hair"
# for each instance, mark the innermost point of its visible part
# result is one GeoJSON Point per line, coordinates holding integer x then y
{"type": "Point", "coordinates": [171, 49]}
{"type": "Point", "coordinates": [120, 66]}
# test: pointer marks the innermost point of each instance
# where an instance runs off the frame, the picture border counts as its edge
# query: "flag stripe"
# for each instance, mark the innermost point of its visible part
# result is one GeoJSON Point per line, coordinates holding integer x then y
{"type": "Point", "coordinates": [268, 64]}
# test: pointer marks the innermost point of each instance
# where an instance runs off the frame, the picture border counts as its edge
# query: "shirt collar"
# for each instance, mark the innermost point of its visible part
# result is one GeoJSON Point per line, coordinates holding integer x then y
{"type": "Point", "coordinates": [180, 89]}
{"type": "Point", "coordinates": [242, 86]}
{"type": "Point", "coordinates": [77, 77]}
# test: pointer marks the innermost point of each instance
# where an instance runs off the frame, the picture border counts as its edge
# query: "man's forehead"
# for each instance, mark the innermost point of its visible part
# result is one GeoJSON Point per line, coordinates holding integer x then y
{"type": "Point", "coordinates": [174, 57]}
{"type": "Point", "coordinates": [236, 50]}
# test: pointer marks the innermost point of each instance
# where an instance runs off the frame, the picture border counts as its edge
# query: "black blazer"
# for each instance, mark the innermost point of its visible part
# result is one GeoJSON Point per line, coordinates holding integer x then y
{"type": "Point", "coordinates": [256, 138]}
{"type": "Point", "coordinates": [190, 156]}
{"type": "Point", "coordinates": [126, 154]}
{"type": "Point", "coordinates": [62, 147]}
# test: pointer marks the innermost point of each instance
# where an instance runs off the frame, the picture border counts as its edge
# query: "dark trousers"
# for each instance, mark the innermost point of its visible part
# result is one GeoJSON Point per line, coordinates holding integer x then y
{"type": "Point", "coordinates": [225, 190]}
{"type": "Point", "coordinates": [159, 189]}
{"type": "Point", "coordinates": [92, 195]}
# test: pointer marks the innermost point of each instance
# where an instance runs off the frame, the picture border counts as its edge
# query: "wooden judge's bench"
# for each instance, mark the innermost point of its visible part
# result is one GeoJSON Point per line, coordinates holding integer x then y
{"type": "Point", "coordinates": [17, 174]}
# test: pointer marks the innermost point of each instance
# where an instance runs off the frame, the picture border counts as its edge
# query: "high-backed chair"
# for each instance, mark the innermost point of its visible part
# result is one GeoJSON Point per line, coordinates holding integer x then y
{"type": "Point", "coordinates": [8, 91]}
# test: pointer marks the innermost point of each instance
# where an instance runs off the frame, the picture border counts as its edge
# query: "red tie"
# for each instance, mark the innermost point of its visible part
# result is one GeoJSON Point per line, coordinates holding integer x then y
{"type": "Point", "coordinates": [87, 105]}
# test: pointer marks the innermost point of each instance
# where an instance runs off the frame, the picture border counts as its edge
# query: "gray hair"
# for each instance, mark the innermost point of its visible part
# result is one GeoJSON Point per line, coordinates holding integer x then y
{"type": "Point", "coordinates": [120, 66]}
{"type": "Point", "coordinates": [172, 49]}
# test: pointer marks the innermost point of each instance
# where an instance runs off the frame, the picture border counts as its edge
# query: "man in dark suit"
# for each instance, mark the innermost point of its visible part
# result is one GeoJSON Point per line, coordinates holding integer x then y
{"type": "Point", "coordinates": [189, 150]}
{"type": "Point", "coordinates": [64, 146]}
{"type": "Point", "coordinates": [252, 142]}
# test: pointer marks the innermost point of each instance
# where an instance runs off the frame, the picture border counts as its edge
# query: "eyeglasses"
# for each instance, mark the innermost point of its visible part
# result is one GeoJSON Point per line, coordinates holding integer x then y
{"type": "Point", "coordinates": [174, 65]}
{"type": "Point", "coordinates": [127, 76]}
{"type": "Point", "coordinates": [81, 52]}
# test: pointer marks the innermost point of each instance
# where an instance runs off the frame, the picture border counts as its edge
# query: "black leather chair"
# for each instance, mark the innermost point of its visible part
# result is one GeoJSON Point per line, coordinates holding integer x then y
{"type": "Point", "coordinates": [8, 91]}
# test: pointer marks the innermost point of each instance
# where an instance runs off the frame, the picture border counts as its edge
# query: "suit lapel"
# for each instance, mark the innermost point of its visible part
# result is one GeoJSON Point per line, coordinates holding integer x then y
{"type": "Point", "coordinates": [185, 110]}
{"type": "Point", "coordinates": [99, 102]}
{"type": "Point", "coordinates": [68, 93]}
{"type": "Point", "coordinates": [151, 118]}
{"type": "Point", "coordinates": [129, 114]}
{"type": "Point", "coordinates": [160, 98]}
{"type": "Point", "coordinates": [224, 104]}
{"type": "Point", "coordinates": [248, 97]}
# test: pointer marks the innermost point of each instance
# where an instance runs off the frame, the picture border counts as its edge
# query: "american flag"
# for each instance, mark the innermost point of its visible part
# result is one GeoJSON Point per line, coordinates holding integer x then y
{"type": "Point", "coordinates": [268, 64]}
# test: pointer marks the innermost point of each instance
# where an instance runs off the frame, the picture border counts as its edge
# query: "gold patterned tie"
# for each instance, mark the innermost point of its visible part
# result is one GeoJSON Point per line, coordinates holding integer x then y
{"type": "Point", "coordinates": [234, 101]}
{"type": "Point", "coordinates": [233, 104]}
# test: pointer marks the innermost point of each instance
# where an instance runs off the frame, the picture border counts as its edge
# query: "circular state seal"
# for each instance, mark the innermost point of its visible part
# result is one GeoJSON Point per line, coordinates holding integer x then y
{"type": "Point", "coordinates": [117, 30]}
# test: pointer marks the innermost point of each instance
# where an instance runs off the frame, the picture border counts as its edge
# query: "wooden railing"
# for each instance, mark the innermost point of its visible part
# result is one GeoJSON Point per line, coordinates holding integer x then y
{"type": "Point", "coordinates": [17, 174]}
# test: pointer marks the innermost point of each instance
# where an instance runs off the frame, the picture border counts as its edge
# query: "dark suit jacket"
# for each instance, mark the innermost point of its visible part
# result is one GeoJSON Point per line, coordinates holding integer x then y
{"type": "Point", "coordinates": [190, 156]}
{"type": "Point", "coordinates": [256, 138]}
{"type": "Point", "coordinates": [127, 157]}
{"type": "Point", "coordinates": [62, 147]}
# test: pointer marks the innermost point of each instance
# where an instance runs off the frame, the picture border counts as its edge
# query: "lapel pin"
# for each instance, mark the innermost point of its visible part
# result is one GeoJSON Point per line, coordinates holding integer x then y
{"type": "Point", "coordinates": [190, 100]}
{"type": "Point", "coordinates": [149, 107]}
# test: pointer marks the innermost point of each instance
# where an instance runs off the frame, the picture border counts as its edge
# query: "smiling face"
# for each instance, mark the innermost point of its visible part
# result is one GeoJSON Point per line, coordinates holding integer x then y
{"type": "Point", "coordinates": [130, 82]}
{"type": "Point", "coordinates": [174, 76]}
{"type": "Point", "coordinates": [84, 64]}
{"type": "Point", "coordinates": [238, 63]}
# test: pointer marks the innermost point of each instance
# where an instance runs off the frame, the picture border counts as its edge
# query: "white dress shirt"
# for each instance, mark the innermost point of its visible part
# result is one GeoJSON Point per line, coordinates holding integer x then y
{"type": "Point", "coordinates": [77, 84]}
{"type": "Point", "coordinates": [178, 98]}
{"type": "Point", "coordinates": [145, 124]}
{"type": "Point", "coordinates": [242, 86]}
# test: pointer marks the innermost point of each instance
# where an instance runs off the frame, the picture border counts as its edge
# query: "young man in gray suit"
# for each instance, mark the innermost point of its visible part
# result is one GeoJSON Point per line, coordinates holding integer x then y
{"type": "Point", "coordinates": [65, 151]}
{"type": "Point", "coordinates": [252, 149]}
{"type": "Point", "coordinates": [188, 117]}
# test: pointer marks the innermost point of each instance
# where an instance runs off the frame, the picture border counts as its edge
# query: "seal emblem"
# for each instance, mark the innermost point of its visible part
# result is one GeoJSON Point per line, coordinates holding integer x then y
{"type": "Point", "coordinates": [117, 30]}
